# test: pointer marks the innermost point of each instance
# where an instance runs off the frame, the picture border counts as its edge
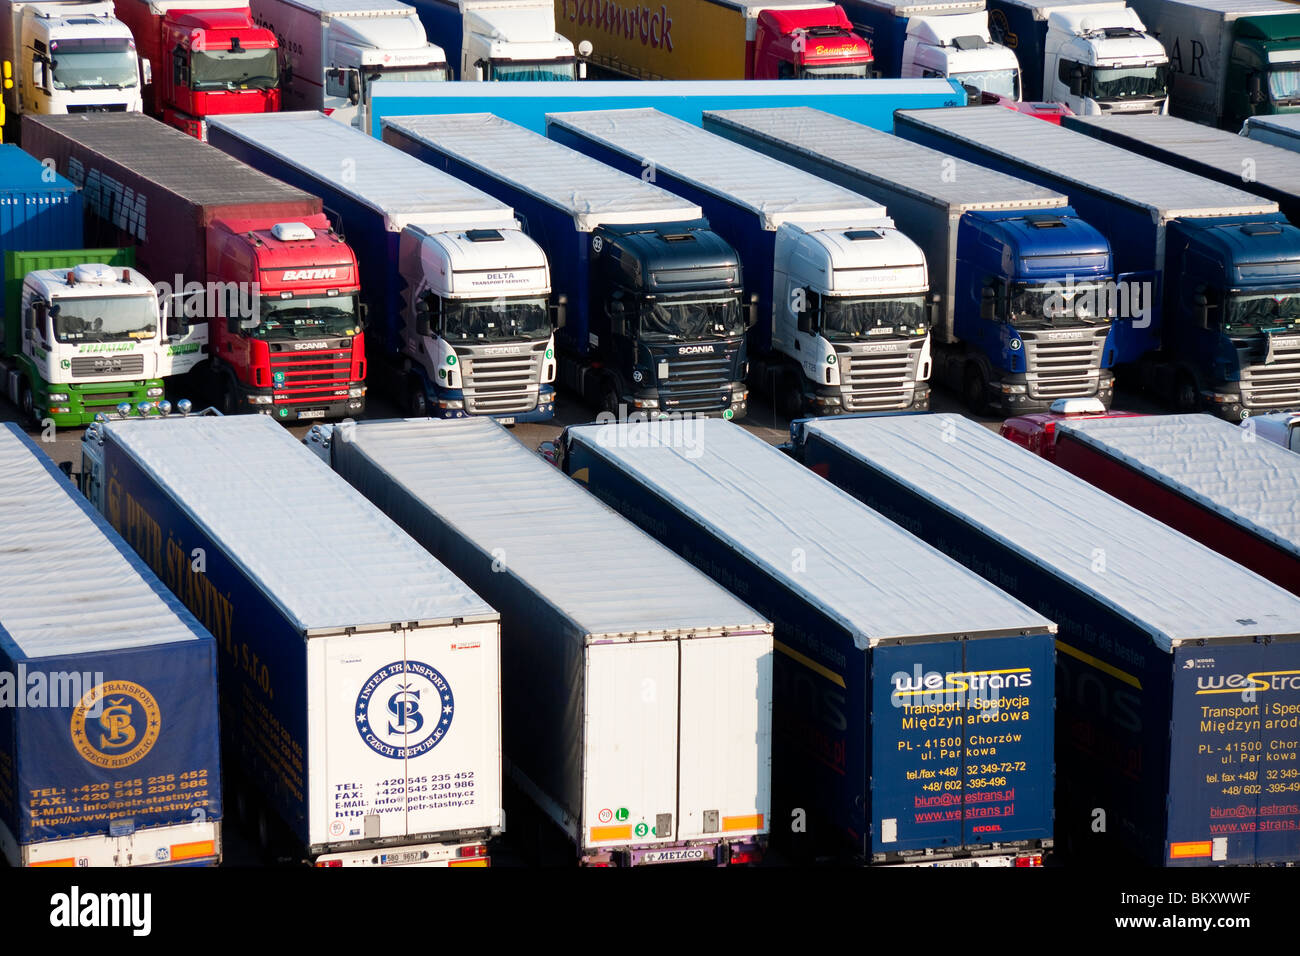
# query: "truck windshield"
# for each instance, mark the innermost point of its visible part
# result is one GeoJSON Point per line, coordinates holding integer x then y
{"type": "Point", "coordinates": [495, 320]}
{"type": "Point", "coordinates": [119, 318]}
{"type": "Point", "coordinates": [851, 317]}
{"type": "Point", "coordinates": [1001, 82]}
{"type": "Point", "coordinates": [409, 74]}
{"type": "Point", "coordinates": [1129, 82]}
{"type": "Point", "coordinates": [673, 319]}
{"type": "Point", "coordinates": [1284, 85]}
{"type": "Point", "coordinates": [1059, 305]}
{"type": "Point", "coordinates": [836, 71]}
{"type": "Point", "coordinates": [540, 70]}
{"type": "Point", "coordinates": [94, 64]}
{"type": "Point", "coordinates": [1249, 313]}
{"type": "Point", "coordinates": [235, 70]}
{"type": "Point", "coordinates": [305, 317]}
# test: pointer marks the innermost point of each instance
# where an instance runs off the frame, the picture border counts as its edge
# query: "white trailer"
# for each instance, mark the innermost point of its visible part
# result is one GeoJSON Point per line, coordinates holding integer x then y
{"type": "Point", "coordinates": [335, 49]}
{"type": "Point", "coordinates": [638, 693]}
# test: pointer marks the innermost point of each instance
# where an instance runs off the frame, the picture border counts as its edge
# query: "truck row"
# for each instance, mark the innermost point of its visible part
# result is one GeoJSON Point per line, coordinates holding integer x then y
{"type": "Point", "coordinates": [906, 642]}
{"type": "Point", "coordinates": [292, 262]}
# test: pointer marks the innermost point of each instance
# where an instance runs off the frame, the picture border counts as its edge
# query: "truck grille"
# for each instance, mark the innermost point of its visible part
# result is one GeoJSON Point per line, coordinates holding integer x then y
{"type": "Point", "coordinates": [1063, 368]}
{"type": "Point", "coordinates": [104, 399]}
{"type": "Point", "coordinates": [83, 365]}
{"type": "Point", "coordinates": [1275, 386]}
{"type": "Point", "coordinates": [501, 384]}
{"type": "Point", "coordinates": [878, 376]}
{"type": "Point", "coordinates": [311, 376]}
{"type": "Point", "coordinates": [697, 383]}
{"type": "Point", "coordinates": [98, 108]}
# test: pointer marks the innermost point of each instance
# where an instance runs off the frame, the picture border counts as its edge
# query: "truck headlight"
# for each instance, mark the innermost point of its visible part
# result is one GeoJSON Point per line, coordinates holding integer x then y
{"type": "Point", "coordinates": [828, 399]}
{"type": "Point", "coordinates": [356, 392]}
{"type": "Point", "coordinates": [58, 396]}
{"type": "Point", "coordinates": [1008, 389]}
{"type": "Point", "coordinates": [153, 392]}
{"type": "Point", "coordinates": [645, 403]}
{"type": "Point", "coordinates": [739, 394]}
{"type": "Point", "coordinates": [450, 403]}
{"type": "Point", "coordinates": [261, 400]}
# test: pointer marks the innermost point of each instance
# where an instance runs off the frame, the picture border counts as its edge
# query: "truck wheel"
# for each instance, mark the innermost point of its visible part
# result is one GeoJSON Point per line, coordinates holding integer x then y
{"type": "Point", "coordinates": [975, 390]}
{"type": "Point", "coordinates": [790, 396]}
{"type": "Point", "coordinates": [229, 397]}
{"type": "Point", "coordinates": [1185, 396]}
{"type": "Point", "coordinates": [609, 400]}
{"type": "Point", "coordinates": [417, 402]}
{"type": "Point", "coordinates": [25, 404]}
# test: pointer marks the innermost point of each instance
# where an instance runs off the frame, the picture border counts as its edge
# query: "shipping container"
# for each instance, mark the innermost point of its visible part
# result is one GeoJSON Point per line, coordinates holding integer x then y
{"type": "Point", "coordinates": [637, 693]}
{"type": "Point", "coordinates": [1210, 479]}
{"type": "Point", "coordinates": [108, 689]}
{"type": "Point", "coordinates": [912, 708]}
{"type": "Point", "coordinates": [1178, 671]}
{"type": "Point", "coordinates": [360, 685]}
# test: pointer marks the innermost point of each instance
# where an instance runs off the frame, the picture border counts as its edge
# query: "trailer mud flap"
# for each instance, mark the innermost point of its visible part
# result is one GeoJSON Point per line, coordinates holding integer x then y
{"type": "Point", "coordinates": [1234, 775]}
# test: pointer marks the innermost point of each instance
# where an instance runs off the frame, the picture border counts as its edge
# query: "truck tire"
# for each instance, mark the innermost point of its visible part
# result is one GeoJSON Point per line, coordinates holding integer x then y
{"type": "Point", "coordinates": [26, 407]}
{"type": "Point", "coordinates": [229, 396]}
{"type": "Point", "coordinates": [417, 402]}
{"type": "Point", "coordinates": [975, 390]}
{"type": "Point", "coordinates": [1186, 397]}
{"type": "Point", "coordinates": [609, 400]}
{"type": "Point", "coordinates": [789, 396]}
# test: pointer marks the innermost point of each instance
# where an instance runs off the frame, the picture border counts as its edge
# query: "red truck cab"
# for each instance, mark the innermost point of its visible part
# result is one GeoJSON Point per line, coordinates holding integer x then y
{"type": "Point", "coordinates": [1050, 112]}
{"type": "Point", "coordinates": [817, 43]}
{"type": "Point", "coordinates": [207, 58]}
{"type": "Point", "coordinates": [1037, 431]}
{"type": "Point", "coordinates": [301, 354]}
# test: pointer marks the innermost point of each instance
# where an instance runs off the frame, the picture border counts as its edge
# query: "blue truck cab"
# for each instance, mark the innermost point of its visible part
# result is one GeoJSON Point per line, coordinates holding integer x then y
{"type": "Point", "coordinates": [1208, 274]}
{"type": "Point", "coordinates": [655, 321]}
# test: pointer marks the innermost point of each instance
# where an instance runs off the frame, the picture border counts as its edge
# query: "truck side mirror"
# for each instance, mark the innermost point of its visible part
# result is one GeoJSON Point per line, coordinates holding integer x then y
{"type": "Point", "coordinates": [478, 69]}
{"type": "Point", "coordinates": [423, 327]}
{"type": "Point", "coordinates": [988, 303]}
{"type": "Point", "coordinates": [1076, 81]}
{"type": "Point", "coordinates": [1256, 83]}
{"type": "Point", "coordinates": [560, 311]}
{"type": "Point", "coordinates": [1201, 310]}
{"type": "Point", "coordinates": [751, 311]}
{"type": "Point", "coordinates": [38, 74]}
{"type": "Point", "coordinates": [233, 325]}
{"type": "Point", "coordinates": [363, 315]}
{"type": "Point", "coordinates": [146, 73]}
{"type": "Point", "coordinates": [804, 322]}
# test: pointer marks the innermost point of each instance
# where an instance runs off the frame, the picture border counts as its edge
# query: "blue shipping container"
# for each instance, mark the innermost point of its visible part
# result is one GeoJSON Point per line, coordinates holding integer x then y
{"type": "Point", "coordinates": [39, 209]}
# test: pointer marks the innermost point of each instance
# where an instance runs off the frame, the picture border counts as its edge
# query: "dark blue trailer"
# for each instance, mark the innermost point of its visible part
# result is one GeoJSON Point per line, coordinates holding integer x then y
{"type": "Point", "coordinates": [912, 700]}
{"type": "Point", "coordinates": [456, 295]}
{"type": "Point", "coordinates": [108, 689]}
{"type": "Point", "coordinates": [653, 294]}
{"type": "Point", "coordinates": [1208, 291]}
{"type": "Point", "coordinates": [1178, 671]}
{"type": "Point", "coordinates": [360, 679]}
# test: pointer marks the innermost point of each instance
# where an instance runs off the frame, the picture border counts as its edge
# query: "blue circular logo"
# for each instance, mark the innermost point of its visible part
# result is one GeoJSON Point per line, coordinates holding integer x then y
{"type": "Point", "coordinates": [404, 710]}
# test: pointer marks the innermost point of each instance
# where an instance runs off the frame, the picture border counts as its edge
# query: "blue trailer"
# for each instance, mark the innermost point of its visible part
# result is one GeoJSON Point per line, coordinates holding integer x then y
{"type": "Point", "coordinates": [1178, 671]}
{"type": "Point", "coordinates": [360, 679]}
{"type": "Point", "coordinates": [1208, 297]}
{"type": "Point", "coordinates": [1269, 171]}
{"type": "Point", "coordinates": [908, 728]}
{"type": "Point", "coordinates": [842, 319]}
{"type": "Point", "coordinates": [459, 294]}
{"type": "Point", "coordinates": [108, 689]}
{"type": "Point", "coordinates": [1037, 335]}
{"type": "Point", "coordinates": [653, 294]}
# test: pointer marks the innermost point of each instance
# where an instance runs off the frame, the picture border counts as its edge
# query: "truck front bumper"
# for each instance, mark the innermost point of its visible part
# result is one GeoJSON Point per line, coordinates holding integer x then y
{"type": "Point", "coordinates": [72, 405]}
{"type": "Point", "coordinates": [290, 409]}
{"type": "Point", "coordinates": [1012, 396]}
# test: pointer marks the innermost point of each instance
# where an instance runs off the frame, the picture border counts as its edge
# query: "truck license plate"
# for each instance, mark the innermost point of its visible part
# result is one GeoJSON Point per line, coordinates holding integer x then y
{"type": "Point", "coordinates": [507, 421]}
{"type": "Point", "coordinates": [678, 856]}
{"type": "Point", "coordinates": [405, 856]}
{"type": "Point", "coordinates": [312, 413]}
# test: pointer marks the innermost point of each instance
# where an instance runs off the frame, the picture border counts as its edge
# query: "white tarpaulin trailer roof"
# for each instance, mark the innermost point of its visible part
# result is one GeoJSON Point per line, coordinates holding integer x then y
{"type": "Point", "coordinates": [593, 193]}
{"type": "Point", "coordinates": [319, 551]}
{"type": "Point", "coordinates": [1228, 152]}
{"type": "Point", "coordinates": [1281, 130]}
{"type": "Point", "coordinates": [858, 567]}
{"type": "Point", "coordinates": [396, 184]}
{"type": "Point", "coordinates": [1088, 162]}
{"type": "Point", "coordinates": [65, 586]}
{"type": "Point", "coordinates": [1163, 581]}
{"type": "Point", "coordinates": [873, 155]}
{"type": "Point", "coordinates": [773, 190]}
{"type": "Point", "coordinates": [600, 571]}
{"type": "Point", "coordinates": [1219, 465]}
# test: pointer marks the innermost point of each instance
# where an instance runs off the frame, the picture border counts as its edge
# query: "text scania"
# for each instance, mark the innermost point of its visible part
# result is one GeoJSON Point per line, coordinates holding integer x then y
{"type": "Point", "coordinates": [653, 28]}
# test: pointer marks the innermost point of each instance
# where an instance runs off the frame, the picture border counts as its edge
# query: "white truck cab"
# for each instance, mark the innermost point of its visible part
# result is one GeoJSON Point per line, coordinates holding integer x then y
{"type": "Point", "coordinates": [849, 306]}
{"type": "Point", "coordinates": [516, 40]}
{"type": "Point", "coordinates": [1100, 59]}
{"type": "Point", "coordinates": [70, 57]}
{"type": "Point", "coordinates": [1281, 428]}
{"type": "Point", "coordinates": [958, 46]}
{"type": "Point", "coordinates": [476, 316]}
